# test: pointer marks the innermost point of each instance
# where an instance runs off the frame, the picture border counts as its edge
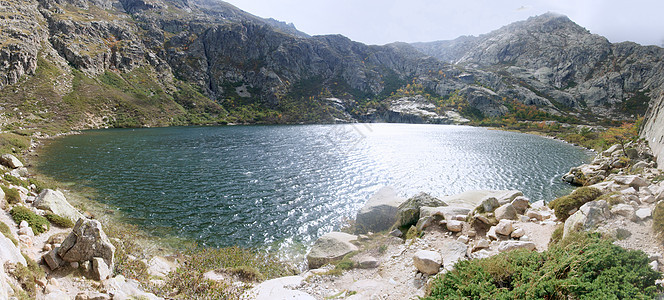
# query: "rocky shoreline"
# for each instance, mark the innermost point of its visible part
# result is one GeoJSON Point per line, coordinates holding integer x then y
{"type": "Point", "coordinates": [393, 250]}
{"type": "Point", "coordinates": [423, 236]}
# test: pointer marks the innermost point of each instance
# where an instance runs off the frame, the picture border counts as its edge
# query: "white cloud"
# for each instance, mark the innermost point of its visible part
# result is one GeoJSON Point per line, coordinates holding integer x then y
{"type": "Point", "coordinates": [385, 21]}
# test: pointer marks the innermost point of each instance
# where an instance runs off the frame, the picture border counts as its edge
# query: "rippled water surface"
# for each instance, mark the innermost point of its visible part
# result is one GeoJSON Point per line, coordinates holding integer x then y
{"type": "Point", "coordinates": [258, 185]}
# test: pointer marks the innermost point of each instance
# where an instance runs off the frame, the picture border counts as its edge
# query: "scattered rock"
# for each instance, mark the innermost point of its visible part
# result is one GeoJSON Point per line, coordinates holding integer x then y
{"type": "Point", "coordinates": [368, 262]}
{"type": "Point", "coordinates": [409, 211]}
{"type": "Point", "coordinates": [26, 231]}
{"type": "Point", "coordinates": [396, 233]}
{"type": "Point", "coordinates": [452, 252]}
{"type": "Point", "coordinates": [481, 244]}
{"type": "Point", "coordinates": [517, 233]}
{"type": "Point", "coordinates": [634, 181]}
{"type": "Point", "coordinates": [427, 262]}
{"type": "Point", "coordinates": [100, 270]}
{"type": "Point", "coordinates": [513, 245]}
{"type": "Point", "coordinates": [506, 212]}
{"type": "Point", "coordinates": [91, 295]}
{"type": "Point", "coordinates": [521, 204]}
{"type": "Point", "coordinates": [447, 212]}
{"type": "Point", "coordinates": [491, 234]}
{"type": "Point", "coordinates": [10, 161]}
{"type": "Point", "coordinates": [87, 240]}
{"type": "Point", "coordinates": [505, 197]}
{"type": "Point", "coordinates": [504, 227]}
{"type": "Point", "coordinates": [24, 224]}
{"type": "Point", "coordinates": [380, 211]}
{"type": "Point", "coordinates": [624, 210]}
{"type": "Point", "coordinates": [329, 248]}
{"type": "Point", "coordinates": [123, 288]}
{"type": "Point", "coordinates": [53, 260]}
{"type": "Point", "coordinates": [489, 204]}
{"type": "Point", "coordinates": [533, 214]}
{"type": "Point", "coordinates": [463, 239]}
{"type": "Point", "coordinates": [644, 213]}
{"type": "Point", "coordinates": [454, 225]}
{"type": "Point", "coordinates": [56, 202]}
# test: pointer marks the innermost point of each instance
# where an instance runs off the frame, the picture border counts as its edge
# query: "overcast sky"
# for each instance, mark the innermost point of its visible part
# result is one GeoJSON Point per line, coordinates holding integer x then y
{"type": "Point", "coordinates": [386, 21]}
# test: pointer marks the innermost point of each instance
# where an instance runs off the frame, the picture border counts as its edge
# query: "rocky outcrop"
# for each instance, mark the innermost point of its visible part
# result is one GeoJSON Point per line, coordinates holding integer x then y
{"type": "Point", "coordinates": [56, 202]}
{"type": "Point", "coordinates": [11, 161]}
{"type": "Point", "coordinates": [380, 211]}
{"type": "Point", "coordinates": [87, 241]}
{"type": "Point", "coordinates": [409, 211]}
{"type": "Point", "coordinates": [329, 248]}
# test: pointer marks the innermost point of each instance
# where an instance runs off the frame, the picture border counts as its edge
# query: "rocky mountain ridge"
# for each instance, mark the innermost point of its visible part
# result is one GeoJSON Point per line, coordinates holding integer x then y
{"type": "Point", "coordinates": [81, 63]}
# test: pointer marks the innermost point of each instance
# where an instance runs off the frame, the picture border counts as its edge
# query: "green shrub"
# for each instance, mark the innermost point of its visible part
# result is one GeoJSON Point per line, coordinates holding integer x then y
{"type": "Point", "coordinates": [557, 234]}
{"type": "Point", "coordinates": [11, 195]}
{"type": "Point", "coordinates": [40, 185]}
{"type": "Point", "coordinates": [38, 224]}
{"type": "Point", "coordinates": [7, 232]}
{"type": "Point", "coordinates": [59, 221]}
{"type": "Point", "coordinates": [658, 219]}
{"type": "Point", "coordinates": [563, 205]}
{"type": "Point", "coordinates": [583, 266]}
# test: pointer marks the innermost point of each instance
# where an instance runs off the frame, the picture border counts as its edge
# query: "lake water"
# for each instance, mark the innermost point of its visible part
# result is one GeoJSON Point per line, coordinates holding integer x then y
{"type": "Point", "coordinates": [287, 185]}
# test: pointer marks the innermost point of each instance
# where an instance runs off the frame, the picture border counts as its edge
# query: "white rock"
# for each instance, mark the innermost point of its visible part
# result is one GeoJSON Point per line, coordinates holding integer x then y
{"type": "Point", "coordinates": [517, 233]}
{"type": "Point", "coordinates": [24, 224]}
{"type": "Point", "coordinates": [454, 225]}
{"type": "Point", "coordinates": [427, 262]}
{"type": "Point", "coordinates": [26, 231]}
{"type": "Point", "coordinates": [100, 270]}
{"type": "Point", "coordinates": [123, 288]}
{"type": "Point", "coordinates": [56, 202]}
{"type": "Point", "coordinates": [330, 247]}
{"type": "Point", "coordinates": [513, 245]}
{"type": "Point", "coordinates": [624, 210]}
{"type": "Point", "coordinates": [533, 214]}
{"type": "Point", "coordinates": [481, 244]}
{"type": "Point", "coordinates": [504, 227]}
{"type": "Point", "coordinates": [644, 213]}
{"type": "Point", "coordinates": [524, 238]}
{"type": "Point", "coordinates": [506, 212]}
{"type": "Point", "coordinates": [464, 239]}
{"type": "Point", "coordinates": [634, 181]}
{"type": "Point", "coordinates": [521, 204]}
{"type": "Point", "coordinates": [491, 234]}
{"type": "Point", "coordinates": [538, 204]}
{"type": "Point", "coordinates": [380, 211]}
{"type": "Point", "coordinates": [10, 161]}
{"type": "Point", "coordinates": [452, 252]}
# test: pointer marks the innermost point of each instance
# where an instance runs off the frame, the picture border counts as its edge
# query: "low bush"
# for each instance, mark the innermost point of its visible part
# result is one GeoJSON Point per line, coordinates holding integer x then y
{"type": "Point", "coordinates": [38, 224]}
{"type": "Point", "coordinates": [59, 221]}
{"type": "Point", "coordinates": [563, 205]}
{"type": "Point", "coordinates": [11, 195]}
{"type": "Point", "coordinates": [582, 266]}
{"type": "Point", "coordinates": [7, 233]}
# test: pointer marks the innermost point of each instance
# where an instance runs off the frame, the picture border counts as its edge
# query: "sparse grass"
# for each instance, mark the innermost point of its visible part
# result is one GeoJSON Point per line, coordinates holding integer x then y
{"type": "Point", "coordinates": [59, 221]}
{"type": "Point", "coordinates": [7, 233]}
{"type": "Point", "coordinates": [27, 276]}
{"type": "Point", "coordinates": [11, 195]}
{"type": "Point", "coordinates": [38, 224]}
{"type": "Point", "coordinates": [412, 233]}
{"type": "Point", "coordinates": [563, 205]}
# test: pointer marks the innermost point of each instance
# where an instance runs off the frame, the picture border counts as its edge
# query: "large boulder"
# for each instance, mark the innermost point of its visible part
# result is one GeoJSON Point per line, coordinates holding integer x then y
{"type": "Point", "coordinates": [506, 211]}
{"type": "Point", "coordinates": [86, 241]}
{"type": "Point", "coordinates": [427, 262]}
{"type": "Point", "coordinates": [10, 161]}
{"type": "Point", "coordinates": [380, 212]}
{"type": "Point", "coordinates": [56, 202]}
{"type": "Point", "coordinates": [409, 211]}
{"type": "Point", "coordinates": [589, 216]}
{"type": "Point", "coordinates": [9, 253]}
{"type": "Point", "coordinates": [329, 248]}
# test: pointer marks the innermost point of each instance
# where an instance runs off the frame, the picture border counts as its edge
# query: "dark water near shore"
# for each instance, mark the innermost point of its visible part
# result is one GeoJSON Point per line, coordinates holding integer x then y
{"type": "Point", "coordinates": [283, 185]}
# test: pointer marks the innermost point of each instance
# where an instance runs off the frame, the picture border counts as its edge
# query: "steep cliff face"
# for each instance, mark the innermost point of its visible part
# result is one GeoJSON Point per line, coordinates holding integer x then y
{"type": "Point", "coordinates": [653, 128]}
